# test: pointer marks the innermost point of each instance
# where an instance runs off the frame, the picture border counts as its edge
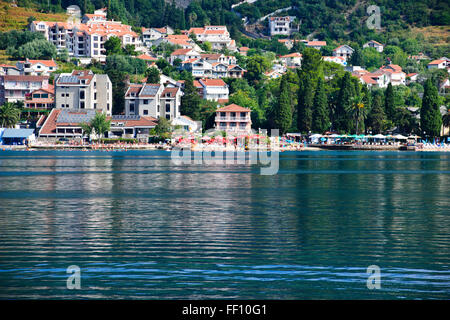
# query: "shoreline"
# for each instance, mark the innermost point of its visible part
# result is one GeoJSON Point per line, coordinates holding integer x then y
{"type": "Point", "coordinates": [122, 148]}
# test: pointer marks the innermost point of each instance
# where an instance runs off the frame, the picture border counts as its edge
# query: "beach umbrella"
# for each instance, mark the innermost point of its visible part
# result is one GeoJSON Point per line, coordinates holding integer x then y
{"type": "Point", "coordinates": [400, 137]}
{"type": "Point", "coordinates": [379, 136]}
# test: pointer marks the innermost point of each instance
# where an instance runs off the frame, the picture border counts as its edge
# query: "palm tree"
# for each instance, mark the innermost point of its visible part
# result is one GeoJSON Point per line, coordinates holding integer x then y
{"type": "Point", "coordinates": [446, 120]}
{"type": "Point", "coordinates": [358, 111]}
{"type": "Point", "coordinates": [9, 115]}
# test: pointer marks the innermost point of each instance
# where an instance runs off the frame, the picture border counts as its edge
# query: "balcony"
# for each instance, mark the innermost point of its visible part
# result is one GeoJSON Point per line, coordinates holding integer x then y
{"type": "Point", "coordinates": [236, 119]}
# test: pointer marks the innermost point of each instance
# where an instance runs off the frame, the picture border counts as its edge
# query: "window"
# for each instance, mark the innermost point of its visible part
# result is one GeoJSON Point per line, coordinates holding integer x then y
{"type": "Point", "coordinates": [132, 107]}
{"type": "Point", "coordinates": [145, 101]}
{"type": "Point", "coordinates": [82, 105]}
{"type": "Point", "coordinates": [107, 106]}
{"type": "Point", "coordinates": [168, 116]}
{"type": "Point", "coordinates": [95, 38]}
{"type": "Point", "coordinates": [95, 95]}
{"type": "Point", "coordinates": [158, 108]}
{"type": "Point", "coordinates": [167, 107]}
{"type": "Point", "coordinates": [95, 106]}
{"type": "Point", "coordinates": [145, 112]}
{"type": "Point", "coordinates": [82, 95]}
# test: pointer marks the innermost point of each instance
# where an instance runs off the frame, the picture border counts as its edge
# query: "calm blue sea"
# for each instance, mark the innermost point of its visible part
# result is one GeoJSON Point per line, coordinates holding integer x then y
{"type": "Point", "coordinates": [141, 227]}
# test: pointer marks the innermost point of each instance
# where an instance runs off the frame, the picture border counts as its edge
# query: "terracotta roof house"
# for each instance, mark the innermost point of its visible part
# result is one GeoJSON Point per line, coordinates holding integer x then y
{"type": "Point", "coordinates": [233, 119]}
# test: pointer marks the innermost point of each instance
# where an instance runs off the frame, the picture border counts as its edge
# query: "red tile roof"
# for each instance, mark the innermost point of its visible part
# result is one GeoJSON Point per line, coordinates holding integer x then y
{"type": "Point", "coordinates": [233, 108]}
{"type": "Point", "coordinates": [213, 82]}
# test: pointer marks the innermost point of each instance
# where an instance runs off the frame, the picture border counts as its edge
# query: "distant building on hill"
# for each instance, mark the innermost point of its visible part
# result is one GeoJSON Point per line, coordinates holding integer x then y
{"type": "Point", "coordinates": [282, 26]}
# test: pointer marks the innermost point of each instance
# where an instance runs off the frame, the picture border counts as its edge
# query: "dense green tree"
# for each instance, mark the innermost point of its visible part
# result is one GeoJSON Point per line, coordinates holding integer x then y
{"type": "Point", "coordinates": [320, 115]}
{"type": "Point", "coordinates": [152, 75]}
{"type": "Point", "coordinates": [389, 102]}
{"type": "Point", "coordinates": [430, 116]}
{"type": "Point", "coordinates": [113, 46]}
{"type": "Point", "coordinates": [305, 102]}
{"type": "Point", "coordinates": [283, 109]}
{"type": "Point", "coordinates": [376, 116]}
{"type": "Point", "coordinates": [98, 125]}
{"type": "Point", "coordinates": [342, 122]}
{"type": "Point", "coordinates": [36, 49]}
{"type": "Point", "coordinates": [356, 58]}
{"type": "Point", "coordinates": [256, 66]}
{"type": "Point", "coordinates": [190, 101]}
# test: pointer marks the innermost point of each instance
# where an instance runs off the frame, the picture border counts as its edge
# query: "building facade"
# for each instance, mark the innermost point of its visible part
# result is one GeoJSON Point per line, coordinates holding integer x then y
{"type": "Point", "coordinates": [15, 87]}
{"type": "Point", "coordinates": [82, 89]}
{"type": "Point", "coordinates": [233, 119]}
{"type": "Point", "coordinates": [282, 26]}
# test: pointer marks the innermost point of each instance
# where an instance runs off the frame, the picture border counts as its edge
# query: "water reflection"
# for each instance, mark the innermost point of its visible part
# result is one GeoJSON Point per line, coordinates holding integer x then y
{"type": "Point", "coordinates": [140, 227]}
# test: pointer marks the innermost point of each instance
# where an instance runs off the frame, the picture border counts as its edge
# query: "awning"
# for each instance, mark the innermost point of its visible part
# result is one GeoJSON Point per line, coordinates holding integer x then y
{"type": "Point", "coordinates": [17, 133]}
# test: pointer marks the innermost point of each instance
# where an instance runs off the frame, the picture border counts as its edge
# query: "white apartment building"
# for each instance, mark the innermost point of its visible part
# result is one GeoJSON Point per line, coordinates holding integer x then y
{"type": "Point", "coordinates": [282, 26]}
{"type": "Point", "coordinates": [87, 39]}
{"type": "Point", "coordinates": [82, 89]}
{"type": "Point", "coordinates": [152, 99]}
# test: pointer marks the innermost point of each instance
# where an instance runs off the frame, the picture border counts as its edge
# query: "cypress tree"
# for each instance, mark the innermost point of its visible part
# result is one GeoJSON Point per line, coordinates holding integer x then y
{"type": "Point", "coordinates": [430, 116]}
{"type": "Point", "coordinates": [320, 116]}
{"type": "Point", "coordinates": [343, 105]}
{"type": "Point", "coordinates": [376, 115]}
{"type": "Point", "coordinates": [283, 109]}
{"type": "Point", "coordinates": [389, 102]}
{"type": "Point", "coordinates": [305, 103]}
{"type": "Point", "coordinates": [190, 101]}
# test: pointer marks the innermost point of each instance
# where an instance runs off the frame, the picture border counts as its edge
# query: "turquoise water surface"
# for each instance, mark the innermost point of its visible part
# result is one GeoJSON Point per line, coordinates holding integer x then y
{"type": "Point", "coordinates": [141, 227]}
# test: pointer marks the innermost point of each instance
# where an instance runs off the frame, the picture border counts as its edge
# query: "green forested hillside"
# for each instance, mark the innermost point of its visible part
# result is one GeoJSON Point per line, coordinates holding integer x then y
{"type": "Point", "coordinates": [335, 21]}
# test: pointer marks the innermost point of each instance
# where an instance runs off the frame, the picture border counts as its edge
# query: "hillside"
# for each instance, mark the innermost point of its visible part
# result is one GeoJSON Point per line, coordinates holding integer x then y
{"type": "Point", "coordinates": [16, 17]}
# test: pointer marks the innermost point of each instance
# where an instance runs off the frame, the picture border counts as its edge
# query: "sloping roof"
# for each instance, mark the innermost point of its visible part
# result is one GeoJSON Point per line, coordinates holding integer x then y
{"type": "Point", "coordinates": [48, 63]}
{"type": "Point", "coordinates": [213, 82]}
{"type": "Point", "coordinates": [180, 52]}
{"type": "Point", "coordinates": [146, 57]}
{"type": "Point", "coordinates": [292, 55]}
{"type": "Point", "coordinates": [436, 62]}
{"type": "Point", "coordinates": [17, 133]}
{"type": "Point", "coordinates": [316, 43]}
{"type": "Point", "coordinates": [233, 108]}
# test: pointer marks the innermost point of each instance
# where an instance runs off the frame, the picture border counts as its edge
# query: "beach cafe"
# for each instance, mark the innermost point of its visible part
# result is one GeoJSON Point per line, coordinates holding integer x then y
{"type": "Point", "coordinates": [16, 136]}
{"type": "Point", "coordinates": [342, 139]}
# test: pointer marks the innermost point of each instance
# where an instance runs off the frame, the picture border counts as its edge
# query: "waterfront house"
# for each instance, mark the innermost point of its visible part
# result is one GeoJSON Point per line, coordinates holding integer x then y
{"type": "Point", "coordinates": [41, 99]}
{"type": "Point", "coordinates": [82, 89]}
{"type": "Point", "coordinates": [233, 119]}
{"type": "Point", "coordinates": [15, 87]}
{"type": "Point", "coordinates": [63, 123]}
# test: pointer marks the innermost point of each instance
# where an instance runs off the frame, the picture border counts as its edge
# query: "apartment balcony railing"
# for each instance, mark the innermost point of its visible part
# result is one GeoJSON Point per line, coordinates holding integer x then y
{"type": "Point", "coordinates": [233, 119]}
